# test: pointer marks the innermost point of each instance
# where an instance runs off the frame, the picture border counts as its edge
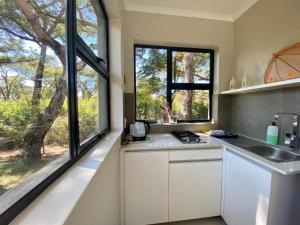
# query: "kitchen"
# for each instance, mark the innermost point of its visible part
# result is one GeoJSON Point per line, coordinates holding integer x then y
{"type": "Point", "coordinates": [204, 126]}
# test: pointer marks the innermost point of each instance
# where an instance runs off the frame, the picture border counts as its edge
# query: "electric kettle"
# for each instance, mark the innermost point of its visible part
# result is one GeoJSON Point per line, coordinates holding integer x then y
{"type": "Point", "coordinates": [139, 130]}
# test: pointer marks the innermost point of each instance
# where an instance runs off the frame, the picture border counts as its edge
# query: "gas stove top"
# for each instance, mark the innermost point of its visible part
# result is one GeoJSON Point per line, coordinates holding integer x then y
{"type": "Point", "coordinates": [187, 137]}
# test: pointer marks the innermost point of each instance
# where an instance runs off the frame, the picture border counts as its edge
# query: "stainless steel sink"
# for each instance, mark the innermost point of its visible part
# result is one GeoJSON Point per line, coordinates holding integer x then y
{"type": "Point", "coordinates": [273, 154]}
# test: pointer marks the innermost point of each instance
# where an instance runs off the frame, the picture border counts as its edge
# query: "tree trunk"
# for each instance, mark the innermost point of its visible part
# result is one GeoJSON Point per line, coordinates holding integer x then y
{"type": "Point", "coordinates": [188, 60]}
{"type": "Point", "coordinates": [38, 80]}
{"type": "Point", "coordinates": [34, 138]}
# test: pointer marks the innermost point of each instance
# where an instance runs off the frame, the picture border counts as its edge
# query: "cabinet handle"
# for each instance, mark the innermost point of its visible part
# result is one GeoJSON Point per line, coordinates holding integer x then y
{"type": "Point", "coordinates": [195, 160]}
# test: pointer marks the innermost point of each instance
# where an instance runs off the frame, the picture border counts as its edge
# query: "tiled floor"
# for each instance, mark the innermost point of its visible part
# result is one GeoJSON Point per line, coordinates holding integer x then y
{"type": "Point", "coordinates": [209, 221]}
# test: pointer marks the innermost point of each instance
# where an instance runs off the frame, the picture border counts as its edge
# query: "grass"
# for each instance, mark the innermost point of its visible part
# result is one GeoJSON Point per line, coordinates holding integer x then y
{"type": "Point", "coordinates": [14, 170]}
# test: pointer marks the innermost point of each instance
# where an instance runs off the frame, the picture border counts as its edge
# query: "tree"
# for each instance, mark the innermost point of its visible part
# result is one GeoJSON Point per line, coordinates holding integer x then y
{"type": "Point", "coordinates": [10, 85]}
{"type": "Point", "coordinates": [87, 81]}
{"type": "Point", "coordinates": [40, 22]}
{"type": "Point", "coordinates": [188, 61]}
{"type": "Point", "coordinates": [187, 67]}
{"type": "Point", "coordinates": [42, 29]}
{"type": "Point", "coordinates": [151, 82]}
{"type": "Point", "coordinates": [38, 79]}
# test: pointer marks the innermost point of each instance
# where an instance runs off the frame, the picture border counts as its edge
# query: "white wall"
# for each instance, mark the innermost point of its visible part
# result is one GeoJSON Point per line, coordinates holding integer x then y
{"type": "Point", "coordinates": [116, 73]}
{"type": "Point", "coordinates": [159, 29]}
{"type": "Point", "coordinates": [100, 202]}
{"type": "Point", "coordinates": [267, 27]}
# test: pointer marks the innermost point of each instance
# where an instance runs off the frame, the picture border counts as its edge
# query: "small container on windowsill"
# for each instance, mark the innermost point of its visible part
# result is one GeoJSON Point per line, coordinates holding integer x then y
{"type": "Point", "coordinates": [173, 119]}
{"type": "Point", "coordinates": [160, 121]}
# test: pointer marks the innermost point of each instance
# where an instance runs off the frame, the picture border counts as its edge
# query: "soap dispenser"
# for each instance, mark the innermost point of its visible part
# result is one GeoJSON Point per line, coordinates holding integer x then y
{"type": "Point", "coordinates": [272, 134]}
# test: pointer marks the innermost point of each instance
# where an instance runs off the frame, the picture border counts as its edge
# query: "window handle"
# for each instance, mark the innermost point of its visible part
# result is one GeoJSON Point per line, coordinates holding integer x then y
{"type": "Point", "coordinates": [99, 60]}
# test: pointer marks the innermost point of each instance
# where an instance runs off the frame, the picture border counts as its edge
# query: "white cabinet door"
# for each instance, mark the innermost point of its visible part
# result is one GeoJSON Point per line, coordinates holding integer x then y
{"type": "Point", "coordinates": [146, 187]}
{"type": "Point", "coordinates": [195, 189]}
{"type": "Point", "coordinates": [246, 191]}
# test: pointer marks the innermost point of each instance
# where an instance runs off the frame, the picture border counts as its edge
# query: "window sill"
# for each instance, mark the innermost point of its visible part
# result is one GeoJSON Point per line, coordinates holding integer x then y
{"type": "Point", "coordinates": [61, 195]}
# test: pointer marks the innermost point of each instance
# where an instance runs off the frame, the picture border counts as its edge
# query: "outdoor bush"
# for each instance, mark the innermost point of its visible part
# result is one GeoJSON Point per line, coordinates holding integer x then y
{"type": "Point", "coordinates": [87, 112]}
{"type": "Point", "coordinates": [58, 133]}
{"type": "Point", "coordinates": [15, 118]}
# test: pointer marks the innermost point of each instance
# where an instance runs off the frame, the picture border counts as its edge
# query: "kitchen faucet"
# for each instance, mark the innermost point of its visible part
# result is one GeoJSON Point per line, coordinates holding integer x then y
{"type": "Point", "coordinates": [294, 139]}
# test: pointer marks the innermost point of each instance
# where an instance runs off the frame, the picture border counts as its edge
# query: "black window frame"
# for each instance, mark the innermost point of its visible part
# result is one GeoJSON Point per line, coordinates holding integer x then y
{"type": "Point", "coordinates": [180, 86]}
{"type": "Point", "coordinates": [82, 50]}
{"type": "Point", "coordinates": [75, 46]}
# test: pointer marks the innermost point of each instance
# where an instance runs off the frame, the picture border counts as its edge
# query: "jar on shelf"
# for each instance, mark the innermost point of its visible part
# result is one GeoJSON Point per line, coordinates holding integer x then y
{"type": "Point", "coordinates": [244, 80]}
{"type": "Point", "coordinates": [232, 84]}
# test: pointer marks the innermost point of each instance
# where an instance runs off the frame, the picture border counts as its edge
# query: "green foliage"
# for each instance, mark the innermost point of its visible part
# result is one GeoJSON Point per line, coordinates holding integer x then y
{"type": "Point", "coordinates": [151, 83]}
{"type": "Point", "coordinates": [200, 110]}
{"type": "Point", "coordinates": [24, 70]}
{"type": "Point", "coordinates": [200, 104]}
{"type": "Point", "coordinates": [88, 112]}
{"type": "Point", "coordinates": [199, 65]}
{"type": "Point", "coordinates": [149, 102]}
{"type": "Point", "coordinates": [59, 131]}
{"type": "Point", "coordinates": [151, 69]}
{"type": "Point", "coordinates": [15, 118]}
{"type": "Point", "coordinates": [150, 61]}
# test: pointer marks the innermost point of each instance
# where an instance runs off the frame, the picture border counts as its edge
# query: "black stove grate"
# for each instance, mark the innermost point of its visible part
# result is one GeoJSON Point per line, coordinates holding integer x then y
{"type": "Point", "coordinates": [187, 137]}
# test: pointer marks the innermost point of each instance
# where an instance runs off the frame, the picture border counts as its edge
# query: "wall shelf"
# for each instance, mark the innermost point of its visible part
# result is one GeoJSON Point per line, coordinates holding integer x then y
{"type": "Point", "coordinates": [264, 87]}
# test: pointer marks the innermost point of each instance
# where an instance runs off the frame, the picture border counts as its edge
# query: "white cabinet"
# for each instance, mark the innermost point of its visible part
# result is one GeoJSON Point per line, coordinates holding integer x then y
{"type": "Point", "coordinates": [162, 186]}
{"type": "Point", "coordinates": [146, 187]}
{"type": "Point", "coordinates": [195, 189]}
{"type": "Point", "coordinates": [253, 194]}
{"type": "Point", "coordinates": [246, 191]}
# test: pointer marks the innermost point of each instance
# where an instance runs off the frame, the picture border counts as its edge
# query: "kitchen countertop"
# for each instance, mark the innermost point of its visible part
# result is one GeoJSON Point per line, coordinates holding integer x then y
{"type": "Point", "coordinates": [285, 168]}
{"type": "Point", "coordinates": [169, 142]}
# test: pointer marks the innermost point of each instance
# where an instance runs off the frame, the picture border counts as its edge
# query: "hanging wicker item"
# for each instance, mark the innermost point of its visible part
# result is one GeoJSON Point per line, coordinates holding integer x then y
{"type": "Point", "coordinates": [284, 65]}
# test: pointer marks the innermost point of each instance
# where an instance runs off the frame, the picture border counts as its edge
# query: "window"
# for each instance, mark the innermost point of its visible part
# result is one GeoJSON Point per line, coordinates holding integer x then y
{"type": "Point", "coordinates": [91, 26]}
{"type": "Point", "coordinates": [53, 92]}
{"type": "Point", "coordinates": [151, 80]}
{"type": "Point", "coordinates": [173, 81]}
{"type": "Point", "coordinates": [92, 79]}
{"type": "Point", "coordinates": [91, 92]}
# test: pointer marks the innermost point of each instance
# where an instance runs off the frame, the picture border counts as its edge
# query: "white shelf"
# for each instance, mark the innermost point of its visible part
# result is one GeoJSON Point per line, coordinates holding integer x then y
{"type": "Point", "coordinates": [264, 87]}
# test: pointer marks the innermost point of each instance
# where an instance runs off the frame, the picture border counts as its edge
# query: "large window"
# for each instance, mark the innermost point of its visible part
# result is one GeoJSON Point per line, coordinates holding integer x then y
{"type": "Point", "coordinates": [172, 81]}
{"type": "Point", "coordinates": [91, 83]}
{"type": "Point", "coordinates": [54, 87]}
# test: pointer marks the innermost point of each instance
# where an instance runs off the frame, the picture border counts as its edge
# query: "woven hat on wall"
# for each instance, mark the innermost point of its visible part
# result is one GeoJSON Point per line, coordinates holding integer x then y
{"type": "Point", "coordinates": [284, 64]}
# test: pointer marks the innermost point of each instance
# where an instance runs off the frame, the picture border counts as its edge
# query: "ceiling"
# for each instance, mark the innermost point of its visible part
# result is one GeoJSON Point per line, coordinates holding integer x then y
{"type": "Point", "coordinates": [227, 10]}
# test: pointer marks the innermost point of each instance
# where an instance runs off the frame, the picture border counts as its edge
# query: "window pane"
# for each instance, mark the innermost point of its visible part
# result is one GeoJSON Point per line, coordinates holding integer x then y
{"type": "Point", "coordinates": [190, 67]}
{"type": "Point", "coordinates": [191, 104]}
{"type": "Point", "coordinates": [91, 26]}
{"type": "Point", "coordinates": [151, 81]}
{"type": "Point", "coordinates": [92, 101]}
{"type": "Point", "coordinates": [34, 133]}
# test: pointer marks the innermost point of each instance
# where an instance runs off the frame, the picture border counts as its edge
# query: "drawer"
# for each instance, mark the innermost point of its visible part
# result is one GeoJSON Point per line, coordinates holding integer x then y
{"type": "Point", "coordinates": [195, 155]}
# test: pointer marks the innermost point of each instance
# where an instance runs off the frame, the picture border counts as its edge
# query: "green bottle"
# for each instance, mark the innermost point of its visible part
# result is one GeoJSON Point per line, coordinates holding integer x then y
{"type": "Point", "coordinates": [272, 134]}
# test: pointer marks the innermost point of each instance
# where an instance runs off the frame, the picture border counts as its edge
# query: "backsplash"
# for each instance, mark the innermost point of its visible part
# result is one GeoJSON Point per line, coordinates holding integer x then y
{"type": "Point", "coordinates": [253, 112]}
